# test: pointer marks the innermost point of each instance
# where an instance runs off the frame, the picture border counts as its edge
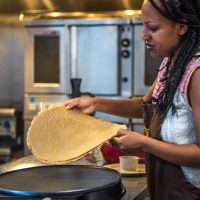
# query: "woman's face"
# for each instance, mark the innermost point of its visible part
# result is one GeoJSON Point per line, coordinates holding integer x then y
{"type": "Point", "coordinates": [162, 36]}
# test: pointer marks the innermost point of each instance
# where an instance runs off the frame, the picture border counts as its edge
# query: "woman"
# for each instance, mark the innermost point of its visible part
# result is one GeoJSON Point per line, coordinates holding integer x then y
{"type": "Point", "coordinates": [171, 109]}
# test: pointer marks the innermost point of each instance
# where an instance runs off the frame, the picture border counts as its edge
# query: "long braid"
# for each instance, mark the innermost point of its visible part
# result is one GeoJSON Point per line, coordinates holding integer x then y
{"type": "Point", "coordinates": [185, 12]}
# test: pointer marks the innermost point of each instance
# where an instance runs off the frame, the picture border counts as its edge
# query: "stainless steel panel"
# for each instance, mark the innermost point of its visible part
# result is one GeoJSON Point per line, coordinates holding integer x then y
{"type": "Point", "coordinates": [126, 59]}
{"type": "Point", "coordinates": [97, 59]}
{"type": "Point", "coordinates": [78, 21]}
{"type": "Point", "coordinates": [11, 66]}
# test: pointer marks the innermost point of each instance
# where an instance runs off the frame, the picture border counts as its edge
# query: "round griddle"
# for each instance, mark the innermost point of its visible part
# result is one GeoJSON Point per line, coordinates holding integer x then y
{"type": "Point", "coordinates": [59, 180]}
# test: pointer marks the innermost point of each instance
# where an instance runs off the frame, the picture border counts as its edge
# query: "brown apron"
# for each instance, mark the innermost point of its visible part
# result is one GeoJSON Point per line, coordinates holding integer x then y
{"type": "Point", "coordinates": [165, 180]}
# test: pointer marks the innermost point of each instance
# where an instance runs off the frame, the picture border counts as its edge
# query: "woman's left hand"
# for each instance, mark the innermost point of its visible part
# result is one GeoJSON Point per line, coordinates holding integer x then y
{"type": "Point", "coordinates": [125, 140]}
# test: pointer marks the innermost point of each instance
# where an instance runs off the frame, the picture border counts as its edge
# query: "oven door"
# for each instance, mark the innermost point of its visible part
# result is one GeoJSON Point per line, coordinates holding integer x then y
{"type": "Point", "coordinates": [46, 60]}
{"type": "Point", "coordinates": [100, 60]}
{"type": "Point", "coordinates": [145, 67]}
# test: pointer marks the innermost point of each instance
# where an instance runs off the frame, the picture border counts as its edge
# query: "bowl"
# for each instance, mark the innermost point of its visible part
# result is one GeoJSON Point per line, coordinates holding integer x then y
{"type": "Point", "coordinates": [112, 154]}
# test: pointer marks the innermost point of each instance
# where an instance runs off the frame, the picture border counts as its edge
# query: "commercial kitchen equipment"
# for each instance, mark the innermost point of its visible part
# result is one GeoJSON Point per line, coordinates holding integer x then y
{"type": "Point", "coordinates": [64, 181]}
{"type": "Point", "coordinates": [11, 132]}
{"type": "Point", "coordinates": [135, 186]}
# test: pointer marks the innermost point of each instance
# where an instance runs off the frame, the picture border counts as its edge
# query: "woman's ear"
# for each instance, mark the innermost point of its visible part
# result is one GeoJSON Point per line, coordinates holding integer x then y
{"type": "Point", "coordinates": [183, 29]}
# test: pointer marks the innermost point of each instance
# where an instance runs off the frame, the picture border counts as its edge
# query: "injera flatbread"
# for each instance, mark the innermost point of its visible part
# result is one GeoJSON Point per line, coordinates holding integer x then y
{"type": "Point", "coordinates": [58, 135]}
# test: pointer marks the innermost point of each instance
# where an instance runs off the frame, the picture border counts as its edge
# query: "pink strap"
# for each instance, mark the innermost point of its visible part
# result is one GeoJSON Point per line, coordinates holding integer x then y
{"type": "Point", "coordinates": [193, 65]}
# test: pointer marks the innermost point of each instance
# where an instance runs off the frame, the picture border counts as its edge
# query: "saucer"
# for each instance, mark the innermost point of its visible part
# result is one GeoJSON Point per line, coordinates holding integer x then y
{"type": "Point", "coordinates": [140, 171]}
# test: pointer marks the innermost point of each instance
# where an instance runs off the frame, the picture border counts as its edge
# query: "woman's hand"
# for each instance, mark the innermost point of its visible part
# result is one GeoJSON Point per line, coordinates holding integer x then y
{"type": "Point", "coordinates": [127, 140]}
{"type": "Point", "coordinates": [84, 104]}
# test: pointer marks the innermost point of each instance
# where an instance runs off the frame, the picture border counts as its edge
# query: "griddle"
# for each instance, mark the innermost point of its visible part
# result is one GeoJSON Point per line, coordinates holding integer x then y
{"type": "Point", "coordinates": [70, 181]}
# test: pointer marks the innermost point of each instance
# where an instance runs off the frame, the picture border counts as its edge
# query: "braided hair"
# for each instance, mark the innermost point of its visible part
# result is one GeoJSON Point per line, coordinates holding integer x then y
{"type": "Point", "coordinates": [183, 12]}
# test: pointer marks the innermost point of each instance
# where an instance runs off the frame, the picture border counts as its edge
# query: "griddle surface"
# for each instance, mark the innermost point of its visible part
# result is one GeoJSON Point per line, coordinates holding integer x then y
{"type": "Point", "coordinates": [57, 180]}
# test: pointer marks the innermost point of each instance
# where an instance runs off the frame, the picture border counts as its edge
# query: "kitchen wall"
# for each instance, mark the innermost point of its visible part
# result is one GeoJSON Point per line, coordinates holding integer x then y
{"type": "Point", "coordinates": [11, 64]}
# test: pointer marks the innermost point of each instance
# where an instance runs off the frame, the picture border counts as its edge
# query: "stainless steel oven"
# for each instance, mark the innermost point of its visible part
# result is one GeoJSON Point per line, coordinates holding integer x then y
{"type": "Point", "coordinates": [102, 58]}
{"type": "Point", "coordinates": [97, 51]}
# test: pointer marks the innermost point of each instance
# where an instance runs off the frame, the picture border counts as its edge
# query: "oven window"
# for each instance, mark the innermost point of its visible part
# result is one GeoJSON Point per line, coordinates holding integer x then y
{"type": "Point", "coordinates": [46, 70]}
{"type": "Point", "coordinates": [151, 67]}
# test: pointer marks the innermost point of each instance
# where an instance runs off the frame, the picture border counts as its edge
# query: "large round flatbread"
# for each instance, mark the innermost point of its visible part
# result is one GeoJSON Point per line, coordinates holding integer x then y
{"type": "Point", "coordinates": [57, 135]}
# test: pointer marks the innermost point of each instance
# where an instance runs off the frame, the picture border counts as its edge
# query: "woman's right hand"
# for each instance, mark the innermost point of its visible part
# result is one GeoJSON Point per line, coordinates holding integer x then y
{"type": "Point", "coordinates": [84, 104]}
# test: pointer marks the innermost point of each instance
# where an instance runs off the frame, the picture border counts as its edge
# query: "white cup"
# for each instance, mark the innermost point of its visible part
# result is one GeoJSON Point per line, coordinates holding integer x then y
{"type": "Point", "coordinates": [128, 163]}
